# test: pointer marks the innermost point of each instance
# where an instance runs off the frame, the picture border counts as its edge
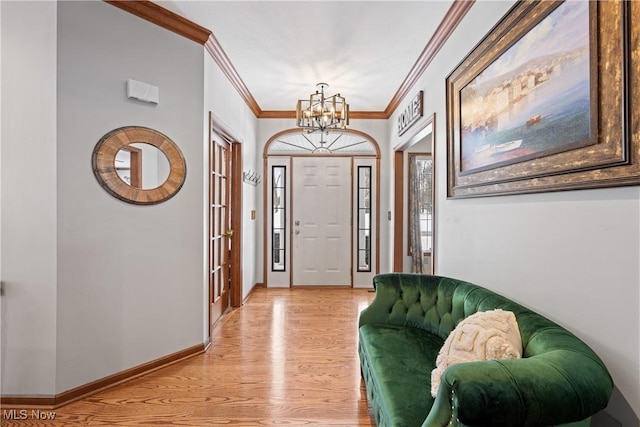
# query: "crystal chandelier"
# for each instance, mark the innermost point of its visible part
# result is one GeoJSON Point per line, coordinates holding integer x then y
{"type": "Point", "coordinates": [321, 114]}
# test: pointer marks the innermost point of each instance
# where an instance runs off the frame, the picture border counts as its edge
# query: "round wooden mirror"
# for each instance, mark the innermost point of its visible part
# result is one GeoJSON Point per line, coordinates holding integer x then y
{"type": "Point", "coordinates": [109, 171]}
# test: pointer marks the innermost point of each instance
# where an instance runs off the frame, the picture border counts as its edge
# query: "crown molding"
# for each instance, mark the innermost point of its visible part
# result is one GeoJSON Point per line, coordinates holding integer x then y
{"type": "Point", "coordinates": [368, 115]}
{"type": "Point", "coordinates": [220, 57]}
{"type": "Point", "coordinates": [290, 114]}
{"type": "Point", "coordinates": [449, 23]}
{"type": "Point", "coordinates": [277, 114]}
{"type": "Point", "coordinates": [158, 15]}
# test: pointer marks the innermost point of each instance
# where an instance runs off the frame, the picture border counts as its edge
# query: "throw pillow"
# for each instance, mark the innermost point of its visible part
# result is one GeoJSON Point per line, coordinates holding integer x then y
{"type": "Point", "coordinates": [484, 335]}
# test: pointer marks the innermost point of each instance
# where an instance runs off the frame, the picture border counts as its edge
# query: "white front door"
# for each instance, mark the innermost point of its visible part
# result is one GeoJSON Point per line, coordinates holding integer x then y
{"type": "Point", "coordinates": [321, 221]}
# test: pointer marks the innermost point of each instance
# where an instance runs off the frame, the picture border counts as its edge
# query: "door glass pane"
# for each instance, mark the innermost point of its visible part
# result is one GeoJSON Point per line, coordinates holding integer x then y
{"type": "Point", "coordinates": [278, 201]}
{"type": "Point", "coordinates": [223, 190]}
{"type": "Point", "coordinates": [278, 218]}
{"type": "Point", "coordinates": [363, 258]}
{"type": "Point", "coordinates": [363, 195]}
{"type": "Point", "coordinates": [223, 162]}
{"type": "Point", "coordinates": [364, 218]}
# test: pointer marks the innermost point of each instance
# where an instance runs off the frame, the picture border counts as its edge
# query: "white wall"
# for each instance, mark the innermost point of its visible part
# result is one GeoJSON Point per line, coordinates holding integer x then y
{"type": "Point", "coordinates": [28, 210]}
{"type": "Point", "coordinates": [130, 281]}
{"type": "Point", "coordinates": [572, 256]}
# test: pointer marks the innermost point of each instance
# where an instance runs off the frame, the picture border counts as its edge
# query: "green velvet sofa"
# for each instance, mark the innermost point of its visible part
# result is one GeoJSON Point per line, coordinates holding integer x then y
{"type": "Point", "coordinates": [559, 381]}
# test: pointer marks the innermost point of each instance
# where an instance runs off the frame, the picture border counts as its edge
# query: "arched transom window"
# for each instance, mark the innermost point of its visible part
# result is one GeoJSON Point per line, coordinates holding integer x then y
{"type": "Point", "coordinates": [333, 142]}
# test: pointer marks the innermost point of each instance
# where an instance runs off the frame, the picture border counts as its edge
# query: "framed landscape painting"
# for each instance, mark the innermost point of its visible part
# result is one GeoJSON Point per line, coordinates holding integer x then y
{"type": "Point", "coordinates": [542, 102]}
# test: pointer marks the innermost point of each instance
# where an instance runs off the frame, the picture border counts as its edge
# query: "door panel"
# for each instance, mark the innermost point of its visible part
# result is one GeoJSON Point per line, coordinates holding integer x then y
{"type": "Point", "coordinates": [219, 239]}
{"type": "Point", "coordinates": [321, 221]}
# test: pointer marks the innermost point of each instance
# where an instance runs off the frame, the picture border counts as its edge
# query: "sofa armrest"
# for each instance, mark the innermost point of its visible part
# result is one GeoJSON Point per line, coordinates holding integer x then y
{"type": "Point", "coordinates": [387, 289]}
{"type": "Point", "coordinates": [558, 387]}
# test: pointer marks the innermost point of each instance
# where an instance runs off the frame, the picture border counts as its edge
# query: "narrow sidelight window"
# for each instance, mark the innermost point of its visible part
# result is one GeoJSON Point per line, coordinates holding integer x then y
{"type": "Point", "coordinates": [364, 218]}
{"type": "Point", "coordinates": [278, 218]}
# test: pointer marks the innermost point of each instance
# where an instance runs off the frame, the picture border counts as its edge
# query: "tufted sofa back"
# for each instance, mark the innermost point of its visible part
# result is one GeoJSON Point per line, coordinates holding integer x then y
{"type": "Point", "coordinates": [437, 304]}
{"type": "Point", "coordinates": [433, 303]}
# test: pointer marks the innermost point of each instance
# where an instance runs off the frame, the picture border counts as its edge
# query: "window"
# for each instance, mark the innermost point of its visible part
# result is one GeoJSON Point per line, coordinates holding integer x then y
{"type": "Point", "coordinates": [420, 210]}
{"type": "Point", "coordinates": [364, 218]}
{"type": "Point", "coordinates": [278, 218]}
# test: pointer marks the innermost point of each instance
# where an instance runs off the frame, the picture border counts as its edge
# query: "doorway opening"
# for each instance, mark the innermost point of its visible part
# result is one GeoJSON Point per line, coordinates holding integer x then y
{"type": "Point", "coordinates": [414, 202]}
{"type": "Point", "coordinates": [321, 209]}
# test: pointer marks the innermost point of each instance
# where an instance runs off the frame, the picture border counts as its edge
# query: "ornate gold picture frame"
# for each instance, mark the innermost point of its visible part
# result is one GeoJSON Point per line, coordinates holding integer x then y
{"type": "Point", "coordinates": [510, 124]}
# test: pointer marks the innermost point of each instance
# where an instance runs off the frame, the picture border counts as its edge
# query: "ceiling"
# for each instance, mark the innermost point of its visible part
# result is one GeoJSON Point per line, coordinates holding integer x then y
{"type": "Point", "coordinates": [364, 50]}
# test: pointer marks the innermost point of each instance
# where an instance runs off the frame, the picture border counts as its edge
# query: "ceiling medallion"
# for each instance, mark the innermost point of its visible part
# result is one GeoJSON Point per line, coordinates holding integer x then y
{"type": "Point", "coordinates": [321, 114]}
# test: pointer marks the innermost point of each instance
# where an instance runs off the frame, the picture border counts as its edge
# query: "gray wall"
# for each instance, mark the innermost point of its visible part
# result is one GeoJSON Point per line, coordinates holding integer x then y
{"type": "Point", "coordinates": [572, 256]}
{"type": "Point", "coordinates": [130, 284]}
{"type": "Point", "coordinates": [28, 188]}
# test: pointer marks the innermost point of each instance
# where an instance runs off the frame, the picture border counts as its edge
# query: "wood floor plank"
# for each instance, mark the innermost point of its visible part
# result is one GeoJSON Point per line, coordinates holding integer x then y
{"type": "Point", "coordinates": [287, 357]}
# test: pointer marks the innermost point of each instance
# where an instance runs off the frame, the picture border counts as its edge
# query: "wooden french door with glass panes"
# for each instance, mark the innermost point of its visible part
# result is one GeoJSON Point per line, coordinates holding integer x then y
{"type": "Point", "coordinates": [219, 228]}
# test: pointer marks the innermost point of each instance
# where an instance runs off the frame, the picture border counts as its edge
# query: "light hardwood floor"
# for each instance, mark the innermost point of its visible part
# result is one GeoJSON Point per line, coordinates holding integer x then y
{"type": "Point", "coordinates": [287, 357]}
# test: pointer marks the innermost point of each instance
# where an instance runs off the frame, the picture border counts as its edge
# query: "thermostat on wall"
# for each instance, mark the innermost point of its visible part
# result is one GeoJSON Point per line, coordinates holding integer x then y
{"type": "Point", "coordinates": [143, 91]}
